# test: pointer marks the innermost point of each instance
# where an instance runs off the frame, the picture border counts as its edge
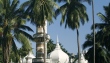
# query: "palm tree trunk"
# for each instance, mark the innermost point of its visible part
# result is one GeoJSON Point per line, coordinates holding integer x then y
{"type": "Point", "coordinates": [44, 45]}
{"type": "Point", "coordinates": [6, 46]}
{"type": "Point", "coordinates": [78, 46]}
{"type": "Point", "coordinates": [93, 27]}
{"type": "Point", "coordinates": [5, 53]}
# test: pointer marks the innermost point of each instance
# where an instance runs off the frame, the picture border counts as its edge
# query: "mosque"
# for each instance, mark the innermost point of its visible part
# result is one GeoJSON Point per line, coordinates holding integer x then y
{"type": "Point", "coordinates": [56, 56]}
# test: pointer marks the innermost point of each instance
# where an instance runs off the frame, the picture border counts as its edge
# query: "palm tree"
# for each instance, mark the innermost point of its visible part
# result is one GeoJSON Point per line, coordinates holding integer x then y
{"type": "Point", "coordinates": [40, 11]}
{"type": "Point", "coordinates": [73, 12]}
{"type": "Point", "coordinates": [102, 38]}
{"type": "Point", "coordinates": [13, 27]}
{"type": "Point", "coordinates": [102, 54]}
{"type": "Point", "coordinates": [20, 53]}
{"type": "Point", "coordinates": [104, 27]}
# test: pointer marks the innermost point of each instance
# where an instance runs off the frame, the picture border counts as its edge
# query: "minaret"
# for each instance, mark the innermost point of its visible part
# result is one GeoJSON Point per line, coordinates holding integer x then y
{"type": "Point", "coordinates": [39, 39]}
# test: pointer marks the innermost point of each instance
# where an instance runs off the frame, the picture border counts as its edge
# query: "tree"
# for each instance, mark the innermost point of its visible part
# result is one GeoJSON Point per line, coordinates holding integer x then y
{"type": "Point", "coordinates": [40, 11]}
{"type": "Point", "coordinates": [73, 13]}
{"type": "Point", "coordinates": [21, 53]}
{"type": "Point", "coordinates": [102, 55]}
{"type": "Point", "coordinates": [104, 26]}
{"type": "Point", "coordinates": [102, 39]}
{"type": "Point", "coordinates": [12, 27]}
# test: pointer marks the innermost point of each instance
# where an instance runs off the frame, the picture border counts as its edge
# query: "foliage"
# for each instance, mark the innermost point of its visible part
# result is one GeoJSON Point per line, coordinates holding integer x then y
{"type": "Point", "coordinates": [101, 39]}
{"type": "Point", "coordinates": [24, 50]}
{"type": "Point", "coordinates": [12, 27]}
{"type": "Point", "coordinates": [39, 11]}
{"type": "Point", "coordinates": [14, 57]}
{"type": "Point", "coordinates": [102, 55]}
{"type": "Point", "coordinates": [21, 53]}
{"type": "Point", "coordinates": [73, 14]}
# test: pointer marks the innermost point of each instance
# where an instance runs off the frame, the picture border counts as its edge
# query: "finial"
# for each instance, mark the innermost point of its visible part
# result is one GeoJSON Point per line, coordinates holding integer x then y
{"type": "Point", "coordinates": [57, 39]}
{"type": "Point", "coordinates": [57, 44]}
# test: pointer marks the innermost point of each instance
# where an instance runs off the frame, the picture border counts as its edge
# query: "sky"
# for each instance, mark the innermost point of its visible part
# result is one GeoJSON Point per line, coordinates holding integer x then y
{"type": "Point", "coordinates": [68, 37]}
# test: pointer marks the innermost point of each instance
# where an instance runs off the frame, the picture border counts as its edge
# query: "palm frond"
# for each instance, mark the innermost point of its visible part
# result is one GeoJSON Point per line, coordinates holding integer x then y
{"type": "Point", "coordinates": [102, 17]}
{"type": "Point", "coordinates": [24, 27]}
{"type": "Point", "coordinates": [100, 25]}
{"type": "Point", "coordinates": [14, 5]}
{"type": "Point", "coordinates": [1, 3]}
{"type": "Point", "coordinates": [25, 5]}
{"type": "Point", "coordinates": [25, 34]}
{"type": "Point", "coordinates": [21, 38]}
{"type": "Point", "coordinates": [63, 10]}
{"type": "Point", "coordinates": [14, 47]}
{"type": "Point", "coordinates": [87, 44]}
{"type": "Point", "coordinates": [30, 7]}
{"type": "Point", "coordinates": [107, 9]}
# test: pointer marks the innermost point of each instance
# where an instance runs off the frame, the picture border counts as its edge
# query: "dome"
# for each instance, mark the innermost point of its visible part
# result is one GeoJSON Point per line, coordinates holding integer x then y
{"type": "Point", "coordinates": [58, 56]}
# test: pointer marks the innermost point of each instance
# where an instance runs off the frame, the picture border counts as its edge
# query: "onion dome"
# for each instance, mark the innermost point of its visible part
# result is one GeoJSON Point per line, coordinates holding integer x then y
{"type": "Point", "coordinates": [57, 55]}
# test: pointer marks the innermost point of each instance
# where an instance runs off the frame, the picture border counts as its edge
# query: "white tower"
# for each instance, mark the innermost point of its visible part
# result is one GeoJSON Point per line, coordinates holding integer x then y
{"type": "Point", "coordinates": [40, 41]}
